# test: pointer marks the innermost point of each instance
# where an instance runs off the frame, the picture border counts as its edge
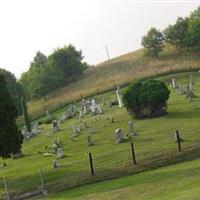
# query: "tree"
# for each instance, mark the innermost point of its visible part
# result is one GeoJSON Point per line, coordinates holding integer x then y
{"type": "Point", "coordinates": [146, 99]}
{"type": "Point", "coordinates": [10, 138]}
{"type": "Point", "coordinates": [175, 34]}
{"type": "Point", "coordinates": [41, 78]}
{"type": "Point", "coordinates": [26, 115]}
{"type": "Point", "coordinates": [192, 38]}
{"type": "Point", "coordinates": [153, 42]}
{"type": "Point", "coordinates": [15, 89]}
{"type": "Point", "coordinates": [46, 74]}
{"type": "Point", "coordinates": [69, 60]}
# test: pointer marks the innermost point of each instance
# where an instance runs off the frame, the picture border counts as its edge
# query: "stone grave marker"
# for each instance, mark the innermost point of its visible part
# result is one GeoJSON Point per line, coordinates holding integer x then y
{"type": "Point", "coordinates": [119, 98]}
{"type": "Point", "coordinates": [99, 109]}
{"type": "Point", "coordinates": [89, 140]}
{"type": "Point", "coordinates": [173, 83]}
{"type": "Point", "coordinates": [131, 131]}
{"type": "Point", "coordinates": [59, 153]}
{"type": "Point", "coordinates": [55, 126]}
{"type": "Point", "coordinates": [118, 136]}
{"type": "Point", "coordinates": [93, 106]}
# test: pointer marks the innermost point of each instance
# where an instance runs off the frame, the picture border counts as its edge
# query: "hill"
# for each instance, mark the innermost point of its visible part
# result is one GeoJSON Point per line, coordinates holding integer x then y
{"type": "Point", "coordinates": [121, 70]}
{"type": "Point", "coordinates": [154, 145]}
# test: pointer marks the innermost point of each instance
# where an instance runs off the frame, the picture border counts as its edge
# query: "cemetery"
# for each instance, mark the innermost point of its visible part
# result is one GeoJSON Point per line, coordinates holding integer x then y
{"type": "Point", "coordinates": [100, 100]}
{"type": "Point", "coordinates": [91, 131]}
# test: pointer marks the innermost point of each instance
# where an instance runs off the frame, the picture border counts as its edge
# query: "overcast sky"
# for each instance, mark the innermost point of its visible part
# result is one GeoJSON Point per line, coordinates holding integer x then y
{"type": "Point", "coordinates": [27, 26]}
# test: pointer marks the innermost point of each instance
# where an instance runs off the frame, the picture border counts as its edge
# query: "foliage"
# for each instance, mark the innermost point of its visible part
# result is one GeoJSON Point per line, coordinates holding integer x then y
{"type": "Point", "coordinates": [192, 39]}
{"type": "Point", "coordinates": [175, 34]}
{"type": "Point", "coordinates": [69, 60]}
{"type": "Point", "coordinates": [26, 115]}
{"type": "Point", "coordinates": [153, 42]}
{"type": "Point", "coordinates": [46, 74]}
{"type": "Point", "coordinates": [14, 88]}
{"type": "Point", "coordinates": [147, 99]}
{"type": "Point", "coordinates": [10, 137]}
{"type": "Point", "coordinates": [184, 35]}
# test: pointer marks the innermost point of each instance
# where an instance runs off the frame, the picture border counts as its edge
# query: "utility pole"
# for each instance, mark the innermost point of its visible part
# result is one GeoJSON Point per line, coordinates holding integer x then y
{"type": "Point", "coordinates": [107, 53]}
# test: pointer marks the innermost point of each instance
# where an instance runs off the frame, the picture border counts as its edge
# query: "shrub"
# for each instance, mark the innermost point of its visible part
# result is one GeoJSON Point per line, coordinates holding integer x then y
{"type": "Point", "coordinates": [146, 99]}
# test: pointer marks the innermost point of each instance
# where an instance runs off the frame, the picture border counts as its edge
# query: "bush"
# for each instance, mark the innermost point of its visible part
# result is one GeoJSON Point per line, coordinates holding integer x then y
{"type": "Point", "coordinates": [146, 99]}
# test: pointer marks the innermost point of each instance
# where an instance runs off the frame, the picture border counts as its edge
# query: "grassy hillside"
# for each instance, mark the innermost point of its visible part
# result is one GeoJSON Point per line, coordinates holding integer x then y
{"type": "Point", "coordinates": [121, 70]}
{"type": "Point", "coordinates": [154, 145]}
{"type": "Point", "coordinates": [176, 182]}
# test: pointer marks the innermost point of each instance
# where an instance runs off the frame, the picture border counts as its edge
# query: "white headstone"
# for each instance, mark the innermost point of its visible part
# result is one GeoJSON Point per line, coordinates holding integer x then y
{"type": "Point", "coordinates": [119, 99]}
{"type": "Point", "coordinates": [93, 106]}
{"type": "Point", "coordinates": [99, 109]}
{"type": "Point", "coordinates": [174, 83]}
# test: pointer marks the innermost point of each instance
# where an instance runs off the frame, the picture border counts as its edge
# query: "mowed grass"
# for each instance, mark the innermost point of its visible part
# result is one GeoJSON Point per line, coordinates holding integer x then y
{"type": "Point", "coordinates": [155, 136]}
{"type": "Point", "coordinates": [121, 70]}
{"type": "Point", "coordinates": [176, 182]}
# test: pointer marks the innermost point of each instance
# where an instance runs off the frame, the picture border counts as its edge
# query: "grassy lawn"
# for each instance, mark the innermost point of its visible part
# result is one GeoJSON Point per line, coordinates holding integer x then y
{"type": "Point", "coordinates": [155, 136]}
{"type": "Point", "coordinates": [176, 182]}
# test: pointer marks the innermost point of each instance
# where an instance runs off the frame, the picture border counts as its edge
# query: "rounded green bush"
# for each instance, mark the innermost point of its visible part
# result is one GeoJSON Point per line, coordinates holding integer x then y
{"type": "Point", "coordinates": [147, 98]}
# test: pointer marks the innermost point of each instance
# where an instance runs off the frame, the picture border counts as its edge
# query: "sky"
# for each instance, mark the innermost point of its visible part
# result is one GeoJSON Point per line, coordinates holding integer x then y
{"type": "Point", "coordinates": [28, 26]}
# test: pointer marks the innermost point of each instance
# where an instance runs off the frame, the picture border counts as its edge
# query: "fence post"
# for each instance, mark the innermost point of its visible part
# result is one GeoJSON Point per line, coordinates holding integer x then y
{"type": "Point", "coordinates": [178, 140]}
{"type": "Point", "coordinates": [91, 164]}
{"type": "Point", "coordinates": [133, 153]}
{"type": "Point", "coordinates": [6, 188]}
{"type": "Point", "coordinates": [43, 188]}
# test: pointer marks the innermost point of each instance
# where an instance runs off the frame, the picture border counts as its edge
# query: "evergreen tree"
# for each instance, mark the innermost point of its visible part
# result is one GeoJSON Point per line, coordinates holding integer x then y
{"type": "Point", "coordinates": [10, 138]}
{"type": "Point", "coordinates": [26, 115]}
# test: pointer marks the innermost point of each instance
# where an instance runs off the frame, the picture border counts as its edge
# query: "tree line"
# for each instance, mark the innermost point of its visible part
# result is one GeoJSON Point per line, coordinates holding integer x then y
{"type": "Point", "coordinates": [184, 35]}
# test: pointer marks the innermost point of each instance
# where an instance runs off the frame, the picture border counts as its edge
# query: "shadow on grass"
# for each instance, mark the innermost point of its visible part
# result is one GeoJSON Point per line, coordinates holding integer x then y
{"type": "Point", "coordinates": [65, 178]}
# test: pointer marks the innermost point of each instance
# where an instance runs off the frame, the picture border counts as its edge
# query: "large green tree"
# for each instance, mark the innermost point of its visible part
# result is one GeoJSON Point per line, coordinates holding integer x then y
{"type": "Point", "coordinates": [192, 39]}
{"type": "Point", "coordinates": [153, 42]}
{"type": "Point", "coordinates": [10, 137]}
{"type": "Point", "coordinates": [46, 74]}
{"type": "Point", "coordinates": [175, 34]}
{"type": "Point", "coordinates": [41, 78]}
{"type": "Point", "coordinates": [14, 88]}
{"type": "Point", "coordinates": [69, 60]}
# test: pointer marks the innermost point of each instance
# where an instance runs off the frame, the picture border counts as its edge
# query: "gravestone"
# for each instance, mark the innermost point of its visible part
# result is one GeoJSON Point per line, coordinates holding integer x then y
{"type": "Point", "coordinates": [17, 155]}
{"type": "Point", "coordinates": [181, 89]}
{"type": "Point", "coordinates": [59, 153]}
{"type": "Point", "coordinates": [55, 126]}
{"type": "Point", "coordinates": [173, 83]}
{"type": "Point", "coordinates": [131, 131]}
{"type": "Point", "coordinates": [90, 130]}
{"type": "Point", "coordinates": [89, 140]}
{"type": "Point", "coordinates": [102, 101]}
{"type": "Point", "coordinates": [93, 106]}
{"type": "Point", "coordinates": [119, 98]}
{"type": "Point", "coordinates": [48, 115]}
{"type": "Point", "coordinates": [80, 115]}
{"type": "Point", "coordinates": [55, 164]}
{"type": "Point", "coordinates": [118, 136]}
{"type": "Point", "coordinates": [99, 109]}
{"type": "Point", "coordinates": [56, 145]}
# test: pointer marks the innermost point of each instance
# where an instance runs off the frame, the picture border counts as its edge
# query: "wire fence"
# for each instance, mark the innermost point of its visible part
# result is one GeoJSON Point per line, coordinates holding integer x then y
{"type": "Point", "coordinates": [92, 169]}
